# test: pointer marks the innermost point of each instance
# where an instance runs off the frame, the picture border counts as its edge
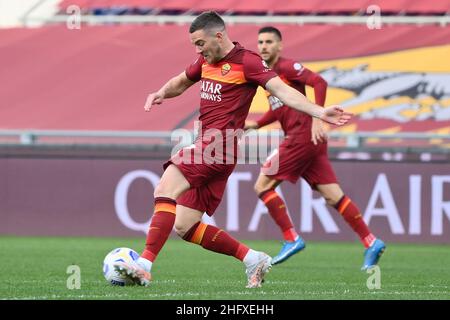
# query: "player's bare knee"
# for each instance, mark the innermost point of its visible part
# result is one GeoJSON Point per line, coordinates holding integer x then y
{"type": "Point", "coordinates": [181, 229]}
{"type": "Point", "coordinates": [331, 201]}
{"type": "Point", "coordinates": [260, 187]}
{"type": "Point", "coordinates": [163, 190]}
{"type": "Point", "coordinates": [257, 188]}
{"type": "Point", "coordinates": [159, 191]}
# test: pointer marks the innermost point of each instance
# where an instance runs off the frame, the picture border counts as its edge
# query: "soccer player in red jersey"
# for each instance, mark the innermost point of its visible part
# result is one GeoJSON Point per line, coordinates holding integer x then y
{"type": "Point", "coordinates": [194, 179]}
{"type": "Point", "coordinates": [303, 153]}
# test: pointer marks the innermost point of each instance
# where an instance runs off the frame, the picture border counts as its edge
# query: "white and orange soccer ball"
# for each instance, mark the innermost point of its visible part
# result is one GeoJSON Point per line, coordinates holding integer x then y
{"type": "Point", "coordinates": [126, 255]}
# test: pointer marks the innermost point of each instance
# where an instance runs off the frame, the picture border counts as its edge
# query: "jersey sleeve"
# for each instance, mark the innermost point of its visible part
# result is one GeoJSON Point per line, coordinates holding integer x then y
{"type": "Point", "coordinates": [315, 81]}
{"type": "Point", "coordinates": [194, 70]}
{"type": "Point", "coordinates": [256, 70]}
{"type": "Point", "coordinates": [295, 72]}
{"type": "Point", "coordinates": [266, 119]}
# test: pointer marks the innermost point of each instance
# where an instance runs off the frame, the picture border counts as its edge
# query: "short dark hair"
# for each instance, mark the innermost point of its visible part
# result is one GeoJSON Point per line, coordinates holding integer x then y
{"type": "Point", "coordinates": [270, 29]}
{"type": "Point", "coordinates": [207, 20]}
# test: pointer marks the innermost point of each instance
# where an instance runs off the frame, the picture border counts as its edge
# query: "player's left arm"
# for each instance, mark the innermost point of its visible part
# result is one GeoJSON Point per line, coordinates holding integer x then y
{"type": "Point", "coordinates": [256, 71]}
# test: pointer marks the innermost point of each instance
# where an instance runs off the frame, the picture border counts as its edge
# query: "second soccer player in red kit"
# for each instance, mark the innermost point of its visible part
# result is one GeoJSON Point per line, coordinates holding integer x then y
{"type": "Point", "coordinates": [229, 76]}
{"type": "Point", "coordinates": [303, 153]}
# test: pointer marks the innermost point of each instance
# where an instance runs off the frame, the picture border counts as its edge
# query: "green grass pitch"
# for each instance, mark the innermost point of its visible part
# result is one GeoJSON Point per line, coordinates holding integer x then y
{"type": "Point", "coordinates": [35, 268]}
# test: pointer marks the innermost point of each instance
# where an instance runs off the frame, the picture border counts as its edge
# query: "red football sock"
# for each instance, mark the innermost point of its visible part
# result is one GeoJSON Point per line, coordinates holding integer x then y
{"type": "Point", "coordinates": [215, 239]}
{"type": "Point", "coordinates": [160, 227]}
{"type": "Point", "coordinates": [277, 210]}
{"type": "Point", "coordinates": [353, 217]}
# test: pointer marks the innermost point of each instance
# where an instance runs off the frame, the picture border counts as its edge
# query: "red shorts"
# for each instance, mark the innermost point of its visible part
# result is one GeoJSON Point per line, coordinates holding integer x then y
{"type": "Point", "coordinates": [297, 158]}
{"type": "Point", "coordinates": [208, 182]}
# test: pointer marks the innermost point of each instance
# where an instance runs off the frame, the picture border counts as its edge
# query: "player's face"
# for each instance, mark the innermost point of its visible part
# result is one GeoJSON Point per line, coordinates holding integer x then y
{"type": "Point", "coordinates": [208, 44]}
{"type": "Point", "coordinates": [269, 46]}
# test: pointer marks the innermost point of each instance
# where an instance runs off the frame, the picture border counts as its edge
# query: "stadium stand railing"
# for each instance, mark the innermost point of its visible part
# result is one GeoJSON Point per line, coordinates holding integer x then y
{"type": "Point", "coordinates": [356, 140]}
{"type": "Point", "coordinates": [361, 146]}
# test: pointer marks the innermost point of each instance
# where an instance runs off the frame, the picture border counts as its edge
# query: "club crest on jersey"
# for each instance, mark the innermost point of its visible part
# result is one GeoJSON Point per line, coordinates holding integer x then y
{"type": "Point", "coordinates": [297, 66]}
{"type": "Point", "coordinates": [225, 69]}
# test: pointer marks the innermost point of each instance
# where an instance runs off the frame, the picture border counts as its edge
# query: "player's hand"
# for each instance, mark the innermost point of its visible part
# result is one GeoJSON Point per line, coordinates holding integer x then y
{"type": "Point", "coordinates": [318, 131]}
{"type": "Point", "coordinates": [250, 124]}
{"type": "Point", "coordinates": [153, 98]}
{"type": "Point", "coordinates": [336, 115]}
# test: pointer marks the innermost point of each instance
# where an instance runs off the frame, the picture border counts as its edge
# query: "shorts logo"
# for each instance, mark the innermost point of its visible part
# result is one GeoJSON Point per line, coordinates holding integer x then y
{"type": "Point", "coordinates": [225, 69]}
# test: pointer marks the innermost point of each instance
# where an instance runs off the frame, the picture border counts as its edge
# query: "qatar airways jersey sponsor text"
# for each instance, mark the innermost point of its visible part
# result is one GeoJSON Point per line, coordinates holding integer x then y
{"type": "Point", "coordinates": [211, 91]}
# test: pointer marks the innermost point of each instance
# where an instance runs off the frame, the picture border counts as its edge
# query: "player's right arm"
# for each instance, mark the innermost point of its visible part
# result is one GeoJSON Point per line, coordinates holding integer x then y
{"type": "Point", "coordinates": [314, 80]}
{"type": "Point", "coordinates": [267, 118]}
{"type": "Point", "coordinates": [296, 100]}
{"type": "Point", "coordinates": [174, 87]}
